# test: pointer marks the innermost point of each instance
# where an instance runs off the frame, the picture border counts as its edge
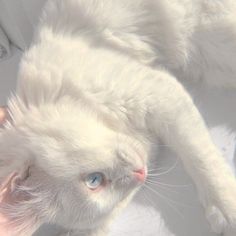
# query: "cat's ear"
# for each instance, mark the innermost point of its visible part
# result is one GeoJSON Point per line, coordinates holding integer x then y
{"type": "Point", "coordinates": [18, 215]}
{"type": "Point", "coordinates": [24, 205]}
{"type": "Point", "coordinates": [16, 218]}
{"type": "Point", "coordinates": [8, 198]}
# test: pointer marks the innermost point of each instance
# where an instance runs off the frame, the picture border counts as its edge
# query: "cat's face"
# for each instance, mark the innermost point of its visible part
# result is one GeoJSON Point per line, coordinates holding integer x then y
{"type": "Point", "coordinates": [74, 173]}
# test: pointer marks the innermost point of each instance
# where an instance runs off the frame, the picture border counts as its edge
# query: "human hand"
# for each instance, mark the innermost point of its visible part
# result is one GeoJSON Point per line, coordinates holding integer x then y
{"type": "Point", "coordinates": [3, 115]}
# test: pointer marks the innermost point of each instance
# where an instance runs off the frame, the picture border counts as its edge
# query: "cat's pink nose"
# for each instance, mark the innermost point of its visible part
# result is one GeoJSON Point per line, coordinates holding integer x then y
{"type": "Point", "coordinates": [140, 175]}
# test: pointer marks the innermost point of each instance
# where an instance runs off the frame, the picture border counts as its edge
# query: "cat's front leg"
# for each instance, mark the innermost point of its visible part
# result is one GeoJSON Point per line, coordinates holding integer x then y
{"type": "Point", "coordinates": [175, 118]}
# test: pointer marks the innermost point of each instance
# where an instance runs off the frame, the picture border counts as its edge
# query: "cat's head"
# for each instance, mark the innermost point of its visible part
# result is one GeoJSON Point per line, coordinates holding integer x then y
{"type": "Point", "coordinates": [64, 165]}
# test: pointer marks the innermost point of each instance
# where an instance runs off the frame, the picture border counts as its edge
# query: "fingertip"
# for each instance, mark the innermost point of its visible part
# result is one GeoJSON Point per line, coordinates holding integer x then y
{"type": "Point", "coordinates": [3, 115]}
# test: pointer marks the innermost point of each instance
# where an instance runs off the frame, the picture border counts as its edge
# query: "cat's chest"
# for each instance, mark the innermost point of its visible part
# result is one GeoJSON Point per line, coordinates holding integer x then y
{"type": "Point", "coordinates": [110, 83]}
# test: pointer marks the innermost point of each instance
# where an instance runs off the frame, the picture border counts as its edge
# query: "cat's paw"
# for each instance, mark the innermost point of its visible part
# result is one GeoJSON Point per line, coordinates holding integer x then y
{"type": "Point", "coordinates": [216, 220]}
{"type": "Point", "coordinates": [220, 206]}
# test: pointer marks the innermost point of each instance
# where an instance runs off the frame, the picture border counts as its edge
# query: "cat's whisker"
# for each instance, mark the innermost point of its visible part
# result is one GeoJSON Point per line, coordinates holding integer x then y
{"type": "Point", "coordinates": [145, 196]}
{"type": "Point", "coordinates": [157, 169]}
{"type": "Point", "coordinates": [166, 188]}
{"type": "Point", "coordinates": [168, 185]}
{"type": "Point", "coordinates": [171, 200]}
{"type": "Point", "coordinates": [166, 171]}
{"type": "Point", "coordinates": [167, 200]}
{"type": "Point", "coordinates": [161, 173]}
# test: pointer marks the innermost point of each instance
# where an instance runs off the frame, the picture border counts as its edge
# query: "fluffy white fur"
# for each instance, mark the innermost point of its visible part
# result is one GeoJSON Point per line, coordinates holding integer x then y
{"type": "Point", "coordinates": [96, 91]}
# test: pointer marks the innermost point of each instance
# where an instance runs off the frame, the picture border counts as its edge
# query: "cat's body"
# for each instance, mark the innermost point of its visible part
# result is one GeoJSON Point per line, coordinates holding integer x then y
{"type": "Point", "coordinates": [192, 39]}
{"type": "Point", "coordinates": [96, 91]}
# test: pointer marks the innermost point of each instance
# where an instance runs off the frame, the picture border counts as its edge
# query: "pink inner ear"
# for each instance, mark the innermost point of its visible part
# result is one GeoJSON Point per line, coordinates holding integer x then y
{"type": "Point", "coordinates": [5, 197]}
{"type": "Point", "coordinates": [3, 115]}
{"type": "Point", "coordinates": [8, 184]}
{"type": "Point", "coordinates": [16, 215]}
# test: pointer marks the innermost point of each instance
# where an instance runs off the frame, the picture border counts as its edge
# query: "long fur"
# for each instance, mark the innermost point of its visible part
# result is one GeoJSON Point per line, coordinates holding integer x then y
{"type": "Point", "coordinates": [96, 90]}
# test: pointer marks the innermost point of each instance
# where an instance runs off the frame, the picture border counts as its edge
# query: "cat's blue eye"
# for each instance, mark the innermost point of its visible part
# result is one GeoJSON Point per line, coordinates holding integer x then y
{"type": "Point", "coordinates": [94, 180]}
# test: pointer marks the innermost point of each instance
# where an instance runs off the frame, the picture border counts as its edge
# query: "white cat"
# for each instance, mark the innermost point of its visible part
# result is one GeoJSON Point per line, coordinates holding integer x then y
{"type": "Point", "coordinates": [96, 91]}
